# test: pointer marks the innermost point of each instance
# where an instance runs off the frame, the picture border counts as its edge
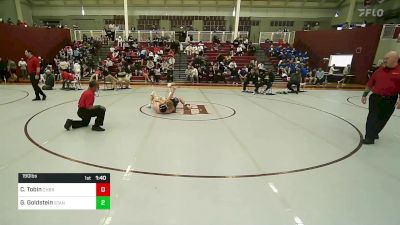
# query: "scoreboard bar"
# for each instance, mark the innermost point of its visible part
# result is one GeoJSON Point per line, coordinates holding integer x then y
{"type": "Point", "coordinates": [63, 178]}
{"type": "Point", "coordinates": [50, 191]}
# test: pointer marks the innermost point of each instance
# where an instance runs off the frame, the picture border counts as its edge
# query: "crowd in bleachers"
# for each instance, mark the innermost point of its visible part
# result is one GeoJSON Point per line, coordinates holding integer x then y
{"type": "Point", "coordinates": [130, 60]}
{"type": "Point", "coordinates": [215, 62]}
{"type": "Point", "coordinates": [292, 63]}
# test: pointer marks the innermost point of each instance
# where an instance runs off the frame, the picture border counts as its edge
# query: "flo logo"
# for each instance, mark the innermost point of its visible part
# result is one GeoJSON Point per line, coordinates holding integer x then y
{"type": "Point", "coordinates": [366, 11]}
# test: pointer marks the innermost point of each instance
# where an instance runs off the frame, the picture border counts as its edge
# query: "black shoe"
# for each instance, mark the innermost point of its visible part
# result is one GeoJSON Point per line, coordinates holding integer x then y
{"type": "Point", "coordinates": [68, 124]}
{"type": "Point", "coordinates": [367, 141]}
{"type": "Point", "coordinates": [36, 99]}
{"type": "Point", "coordinates": [44, 97]}
{"type": "Point", "coordinates": [377, 137]}
{"type": "Point", "coordinates": [97, 128]}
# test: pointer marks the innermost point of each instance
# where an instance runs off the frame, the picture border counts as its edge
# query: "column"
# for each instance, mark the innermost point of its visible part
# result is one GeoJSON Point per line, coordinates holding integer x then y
{"type": "Point", "coordinates": [126, 19]}
{"type": "Point", "coordinates": [235, 32]}
{"type": "Point", "coordinates": [19, 11]}
{"type": "Point", "coordinates": [350, 12]}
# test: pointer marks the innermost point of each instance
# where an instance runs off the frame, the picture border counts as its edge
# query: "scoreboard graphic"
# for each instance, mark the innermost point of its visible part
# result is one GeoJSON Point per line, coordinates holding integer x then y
{"type": "Point", "coordinates": [64, 191]}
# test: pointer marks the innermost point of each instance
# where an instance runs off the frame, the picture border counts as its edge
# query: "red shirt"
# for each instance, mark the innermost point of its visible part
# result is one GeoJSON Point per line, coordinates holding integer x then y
{"type": "Point", "coordinates": [32, 64]}
{"type": "Point", "coordinates": [385, 81]}
{"type": "Point", "coordinates": [87, 99]}
{"type": "Point", "coordinates": [67, 76]}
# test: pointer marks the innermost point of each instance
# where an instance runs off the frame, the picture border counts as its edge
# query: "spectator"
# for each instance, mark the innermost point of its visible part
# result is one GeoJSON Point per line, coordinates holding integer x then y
{"type": "Point", "coordinates": [295, 79]}
{"type": "Point", "coordinates": [192, 74]}
{"type": "Point", "coordinates": [319, 75]}
{"type": "Point", "coordinates": [346, 72]}
{"type": "Point", "coordinates": [22, 68]}
{"type": "Point", "coordinates": [12, 70]}
{"type": "Point", "coordinates": [49, 80]}
{"type": "Point", "coordinates": [3, 69]}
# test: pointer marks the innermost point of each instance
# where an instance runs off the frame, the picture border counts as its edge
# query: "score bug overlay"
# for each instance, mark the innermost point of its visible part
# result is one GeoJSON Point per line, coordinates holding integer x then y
{"type": "Point", "coordinates": [64, 191]}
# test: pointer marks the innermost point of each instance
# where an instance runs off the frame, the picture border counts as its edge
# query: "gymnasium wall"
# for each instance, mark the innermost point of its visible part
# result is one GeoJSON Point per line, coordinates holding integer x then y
{"type": "Point", "coordinates": [8, 10]}
{"type": "Point", "coordinates": [322, 44]}
{"type": "Point", "coordinates": [386, 45]}
{"type": "Point", "coordinates": [14, 40]}
{"type": "Point", "coordinates": [27, 13]}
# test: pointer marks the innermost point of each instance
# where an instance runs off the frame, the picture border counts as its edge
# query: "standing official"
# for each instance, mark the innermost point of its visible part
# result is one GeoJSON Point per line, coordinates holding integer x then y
{"type": "Point", "coordinates": [33, 67]}
{"type": "Point", "coordinates": [385, 87]}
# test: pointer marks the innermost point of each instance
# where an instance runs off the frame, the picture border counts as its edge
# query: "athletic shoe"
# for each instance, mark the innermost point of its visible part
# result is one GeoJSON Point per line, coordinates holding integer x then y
{"type": "Point", "coordinates": [97, 128]}
{"type": "Point", "coordinates": [44, 97]}
{"type": "Point", "coordinates": [367, 141]}
{"type": "Point", "coordinates": [377, 137]}
{"type": "Point", "coordinates": [36, 99]}
{"type": "Point", "coordinates": [68, 124]}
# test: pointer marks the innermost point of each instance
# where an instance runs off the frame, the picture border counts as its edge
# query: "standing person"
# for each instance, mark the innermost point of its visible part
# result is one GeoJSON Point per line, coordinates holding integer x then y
{"type": "Point", "coordinates": [22, 68]}
{"type": "Point", "coordinates": [33, 67]}
{"type": "Point", "coordinates": [86, 110]}
{"type": "Point", "coordinates": [385, 87]}
{"type": "Point", "coordinates": [3, 69]}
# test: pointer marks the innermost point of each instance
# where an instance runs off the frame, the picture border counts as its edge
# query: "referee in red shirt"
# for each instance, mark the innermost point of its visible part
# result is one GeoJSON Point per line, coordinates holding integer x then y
{"type": "Point", "coordinates": [33, 67]}
{"type": "Point", "coordinates": [86, 110]}
{"type": "Point", "coordinates": [385, 87]}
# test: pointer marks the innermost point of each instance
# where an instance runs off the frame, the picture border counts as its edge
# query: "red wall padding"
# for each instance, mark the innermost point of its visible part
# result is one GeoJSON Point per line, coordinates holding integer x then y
{"type": "Point", "coordinates": [322, 44]}
{"type": "Point", "coordinates": [14, 40]}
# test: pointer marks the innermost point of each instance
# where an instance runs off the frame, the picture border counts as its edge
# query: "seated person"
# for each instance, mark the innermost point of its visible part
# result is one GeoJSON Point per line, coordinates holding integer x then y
{"type": "Point", "coordinates": [145, 74]}
{"type": "Point", "coordinates": [124, 78]}
{"type": "Point", "coordinates": [311, 76]}
{"type": "Point", "coordinates": [250, 77]}
{"type": "Point", "coordinates": [267, 79]}
{"type": "Point", "coordinates": [97, 74]}
{"type": "Point", "coordinates": [319, 76]}
{"type": "Point", "coordinates": [67, 78]}
{"type": "Point", "coordinates": [192, 74]}
{"type": "Point", "coordinates": [49, 80]}
{"type": "Point", "coordinates": [167, 105]}
{"type": "Point", "coordinates": [242, 74]}
{"type": "Point", "coordinates": [170, 73]}
{"type": "Point", "coordinates": [295, 79]}
{"type": "Point", "coordinates": [108, 77]}
{"type": "Point", "coordinates": [157, 74]}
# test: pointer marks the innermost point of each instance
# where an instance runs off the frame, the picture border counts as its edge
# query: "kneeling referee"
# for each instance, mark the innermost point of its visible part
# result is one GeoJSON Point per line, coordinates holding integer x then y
{"type": "Point", "coordinates": [86, 110]}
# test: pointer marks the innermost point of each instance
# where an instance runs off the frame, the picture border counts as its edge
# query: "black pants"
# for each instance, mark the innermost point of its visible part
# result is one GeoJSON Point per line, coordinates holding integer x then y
{"type": "Point", "coordinates": [247, 81]}
{"type": "Point", "coordinates": [218, 78]}
{"type": "Point", "coordinates": [35, 85]}
{"type": "Point", "coordinates": [262, 83]}
{"type": "Point", "coordinates": [290, 83]}
{"type": "Point", "coordinates": [380, 111]}
{"type": "Point", "coordinates": [319, 81]}
{"type": "Point", "coordinates": [86, 114]}
{"type": "Point", "coordinates": [2, 75]}
{"type": "Point", "coordinates": [170, 75]}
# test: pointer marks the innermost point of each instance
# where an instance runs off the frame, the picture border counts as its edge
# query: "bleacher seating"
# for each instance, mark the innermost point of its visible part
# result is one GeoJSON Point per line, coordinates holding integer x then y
{"type": "Point", "coordinates": [134, 57]}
